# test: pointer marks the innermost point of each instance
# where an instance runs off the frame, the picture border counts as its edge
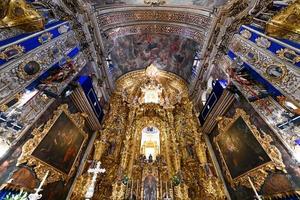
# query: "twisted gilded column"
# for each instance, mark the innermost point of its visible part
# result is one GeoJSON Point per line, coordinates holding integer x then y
{"type": "Point", "coordinates": [200, 148]}
{"type": "Point", "coordinates": [100, 147]}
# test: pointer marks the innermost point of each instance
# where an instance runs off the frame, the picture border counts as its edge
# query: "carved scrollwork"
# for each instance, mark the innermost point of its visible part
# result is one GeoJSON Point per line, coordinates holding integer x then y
{"type": "Point", "coordinates": [259, 173]}
{"type": "Point", "coordinates": [39, 134]}
{"type": "Point", "coordinates": [280, 73]}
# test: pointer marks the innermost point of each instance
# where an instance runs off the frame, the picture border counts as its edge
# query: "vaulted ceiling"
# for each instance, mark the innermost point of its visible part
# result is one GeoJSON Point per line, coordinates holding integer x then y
{"type": "Point", "coordinates": [204, 3]}
{"type": "Point", "coordinates": [172, 38]}
{"type": "Point", "coordinates": [173, 53]}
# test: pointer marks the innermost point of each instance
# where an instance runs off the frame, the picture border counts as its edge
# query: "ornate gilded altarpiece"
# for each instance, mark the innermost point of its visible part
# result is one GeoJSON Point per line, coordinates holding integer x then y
{"type": "Point", "coordinates": [236, 152]}
{"type": "Point", "coordinates": [68, 138]}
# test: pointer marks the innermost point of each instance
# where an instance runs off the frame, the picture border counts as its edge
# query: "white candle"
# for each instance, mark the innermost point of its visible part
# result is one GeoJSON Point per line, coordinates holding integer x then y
{"type": "Point", "coordinates": [171, 189]}
{"type": "Point", "coordinates": [252, 185]}
{"type": "Point", "coordinates": [137, 188]}
{"type": "Point", "coordinates": [131, 189]}
{"type": "Point", "coordinates": [126, 190]}
{"type": "Point", "coordinates": [44, 179]}
{"type": "Point", "coordinates": [167, 189]}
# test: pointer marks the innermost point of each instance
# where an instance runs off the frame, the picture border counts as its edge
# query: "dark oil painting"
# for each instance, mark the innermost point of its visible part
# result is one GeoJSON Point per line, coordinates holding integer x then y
{"type": "Point", "coordinates": [61, 146]}
{"type": "Point", "coordinates": [240, 149]}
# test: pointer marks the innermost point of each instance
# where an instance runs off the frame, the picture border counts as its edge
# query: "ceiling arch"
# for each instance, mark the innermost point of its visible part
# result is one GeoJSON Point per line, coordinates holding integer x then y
{"type": "Point", "coordinates": [173, 38]}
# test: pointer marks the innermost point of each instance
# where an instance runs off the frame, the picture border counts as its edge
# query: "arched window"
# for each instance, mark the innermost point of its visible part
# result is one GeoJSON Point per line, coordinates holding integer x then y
{"type": "Point", "coordinates": [150, 143]}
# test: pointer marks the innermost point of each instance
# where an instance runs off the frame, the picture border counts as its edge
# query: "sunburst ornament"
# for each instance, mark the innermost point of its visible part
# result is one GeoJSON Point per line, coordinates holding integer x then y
{"type": "Point", "coordinates": [152, 71]}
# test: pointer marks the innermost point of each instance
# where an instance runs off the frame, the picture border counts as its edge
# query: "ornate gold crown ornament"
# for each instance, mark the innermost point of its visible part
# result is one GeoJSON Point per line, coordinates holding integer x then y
{"type": "Point", "coordinates": [286, 24]}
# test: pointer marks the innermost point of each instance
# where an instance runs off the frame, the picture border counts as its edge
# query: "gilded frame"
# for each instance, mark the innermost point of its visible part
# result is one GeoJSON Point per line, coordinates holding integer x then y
{"type": "Point", "coordinates": [40, 167]}
{"type": "Point", "coordinates": [281, 54]}
{"type": "Point", "coordinates": [259, 173]}
{"type": "Point", "coordinates": [20, 50]}
{"type": "Point", "coordinates": [271, 78]}
{"type": "Point", "coordinates": [21, 71]}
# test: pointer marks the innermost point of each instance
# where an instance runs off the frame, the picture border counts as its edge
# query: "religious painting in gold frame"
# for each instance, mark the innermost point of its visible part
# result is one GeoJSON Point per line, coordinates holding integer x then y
{"type": "Point", "coordinates": [245, 152]}
{"type": "Point", "coordinates": [57, 146]}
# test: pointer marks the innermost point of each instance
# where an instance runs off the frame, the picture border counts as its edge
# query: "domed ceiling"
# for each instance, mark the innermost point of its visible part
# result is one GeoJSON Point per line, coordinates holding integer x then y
{"type": "Point", "coordinates": [171, 37]}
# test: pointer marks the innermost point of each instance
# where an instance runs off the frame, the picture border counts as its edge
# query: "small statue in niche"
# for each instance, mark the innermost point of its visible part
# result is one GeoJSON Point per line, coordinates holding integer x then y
{"type": "Point", "coordinates": [142, 158]}
{"type": "Point", "coordinates": [150, 159]}
{"type": "Point", "coordinates": [159, 159]}
{"type": "Point", "coordinates": [111, 147]}
{"type": "Point", "coordinates": [190, 150]}
{"type": "Point", "coordinates": [208, 170]}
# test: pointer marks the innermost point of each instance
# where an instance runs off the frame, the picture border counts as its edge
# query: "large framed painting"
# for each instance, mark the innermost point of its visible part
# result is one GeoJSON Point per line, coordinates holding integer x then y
{"type": "Point", "coordinates": [244, 152]}
{"type": "Point", "coordinates": [57, 147]}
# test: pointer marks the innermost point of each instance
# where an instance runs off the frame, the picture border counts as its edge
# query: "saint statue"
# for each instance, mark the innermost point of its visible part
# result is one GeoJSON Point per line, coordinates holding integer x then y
{"type": "Point", "coordinates": [150, 159]}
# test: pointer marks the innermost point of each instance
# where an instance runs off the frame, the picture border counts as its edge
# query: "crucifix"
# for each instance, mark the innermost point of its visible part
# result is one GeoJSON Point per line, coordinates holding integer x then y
{"type": "Point", "coordinates": [95, 171]}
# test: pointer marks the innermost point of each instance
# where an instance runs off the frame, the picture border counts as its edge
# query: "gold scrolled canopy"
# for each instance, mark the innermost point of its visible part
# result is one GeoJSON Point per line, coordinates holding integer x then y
{"type": "Point", "coordinates": [18, 13]}
{"type": "Point", "coordinates": [286, 24]}
{"type": "Point", "coordinates": [134, 85]}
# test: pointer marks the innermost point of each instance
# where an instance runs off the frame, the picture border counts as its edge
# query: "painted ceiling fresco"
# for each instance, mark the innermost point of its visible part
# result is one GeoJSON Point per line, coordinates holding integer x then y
{"type": "Point", "coordinates": [205, 3]}
{"type": "Point", "coordinates": [168, 52]}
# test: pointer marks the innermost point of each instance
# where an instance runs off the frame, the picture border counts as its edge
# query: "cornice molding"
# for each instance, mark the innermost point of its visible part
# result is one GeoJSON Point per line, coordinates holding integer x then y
{"type": "Point", "coordinates": [110, 17]}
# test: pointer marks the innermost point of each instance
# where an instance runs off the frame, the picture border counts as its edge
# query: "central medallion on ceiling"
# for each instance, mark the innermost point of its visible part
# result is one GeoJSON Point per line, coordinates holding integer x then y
{"type": "Point", "coordinates": [154, 2]}
{"type": "Point", "coordinates": [152, 90]}
{"type": "Point", "coordinates": [152, 86]}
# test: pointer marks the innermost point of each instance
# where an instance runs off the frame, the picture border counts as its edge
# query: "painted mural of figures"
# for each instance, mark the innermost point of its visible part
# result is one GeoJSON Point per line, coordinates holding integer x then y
{"type": "Point", "coordinates": [63, 141]}
{"type": "Point", "coordinates": [210, 3]}
{"type": "Point", "coordinates": [139, 51]}
{"type": "Point", "coordinates": [150, 188]}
